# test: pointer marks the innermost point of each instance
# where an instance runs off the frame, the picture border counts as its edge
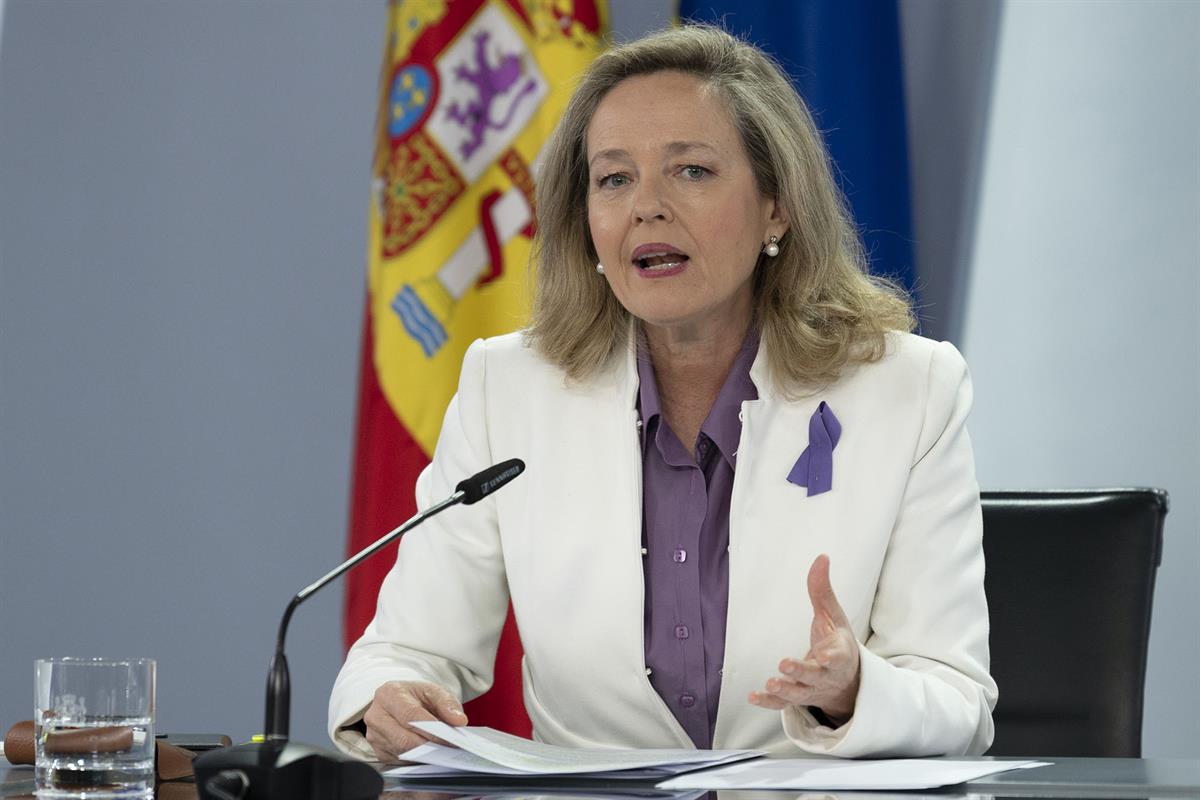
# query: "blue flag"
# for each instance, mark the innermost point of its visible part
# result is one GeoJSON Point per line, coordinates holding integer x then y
{"type": "Point", "coordinates": [844, 58]}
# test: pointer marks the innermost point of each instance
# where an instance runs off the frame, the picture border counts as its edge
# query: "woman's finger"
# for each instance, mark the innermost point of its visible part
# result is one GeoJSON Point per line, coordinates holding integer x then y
{"type": "Point", "coordinates": [808, 671]}
{"type": "Point", "coordinates": [820, 593]}
{"type": "Point", "coordinates": [827, 677]}
{"type": "Point", "coordinates": [765, 700]}
{"type": "Point", "coordinates": [441, 704]}
{"type": "Point", "coordinates": [387, 737]}
{"type": "Point", "coordinates": [792, 693]}
{"type": "Point", "coordinates": [383, 752]}
{"type": "Point", "coordinates": [398, 704]}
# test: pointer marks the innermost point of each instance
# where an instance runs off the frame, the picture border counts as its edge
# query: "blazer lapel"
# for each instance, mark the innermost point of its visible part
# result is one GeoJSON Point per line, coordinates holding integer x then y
{"type": "Point", "coordinates": [776, 531]}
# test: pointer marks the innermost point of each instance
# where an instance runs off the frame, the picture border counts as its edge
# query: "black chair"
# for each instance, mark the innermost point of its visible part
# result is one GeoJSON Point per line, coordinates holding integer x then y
{"type": "Point", "coordinates": [1070, 581]}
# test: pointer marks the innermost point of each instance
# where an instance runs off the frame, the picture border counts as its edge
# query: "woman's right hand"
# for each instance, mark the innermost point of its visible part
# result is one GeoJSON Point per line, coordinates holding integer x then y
{"type": "Point", "coordinates": [397, 704]}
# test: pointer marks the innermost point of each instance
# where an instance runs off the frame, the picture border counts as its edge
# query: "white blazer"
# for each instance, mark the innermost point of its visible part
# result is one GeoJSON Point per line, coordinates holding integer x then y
{"type": "Point", "coordinates": [901, 525]}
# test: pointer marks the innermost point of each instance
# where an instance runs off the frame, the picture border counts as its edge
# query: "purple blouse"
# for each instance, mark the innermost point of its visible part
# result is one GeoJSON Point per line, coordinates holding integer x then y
{"type": "Point", "coordinates": [685, 537]}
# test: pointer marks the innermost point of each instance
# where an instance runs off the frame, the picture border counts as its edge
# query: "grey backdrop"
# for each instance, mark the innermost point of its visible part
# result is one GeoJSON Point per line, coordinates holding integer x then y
{"type": "Point", "coordinates": [183, 194]}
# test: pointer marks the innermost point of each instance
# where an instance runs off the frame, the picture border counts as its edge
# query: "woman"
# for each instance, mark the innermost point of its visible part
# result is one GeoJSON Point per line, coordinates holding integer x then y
{"type": "Point", "coordinates": [717, 407]}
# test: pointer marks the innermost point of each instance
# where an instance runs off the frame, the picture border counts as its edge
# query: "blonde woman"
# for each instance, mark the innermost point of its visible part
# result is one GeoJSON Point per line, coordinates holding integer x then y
{"type": "Point", "coordinates": [750, 516]}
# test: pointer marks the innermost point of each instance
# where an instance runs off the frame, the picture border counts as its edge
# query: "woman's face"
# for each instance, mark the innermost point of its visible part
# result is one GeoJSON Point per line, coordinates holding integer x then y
{"type": "Point", "coordinates": [673, 208]}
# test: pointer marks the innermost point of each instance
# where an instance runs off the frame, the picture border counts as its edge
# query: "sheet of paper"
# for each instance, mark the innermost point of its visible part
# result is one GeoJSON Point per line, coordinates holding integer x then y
{"type": "Point", "coordinates": [833, 774]}
{"type": "Point", "coordinates": [439, 781]}
{"type": "Point", "coordinates": [436, 759]}
{"type": "Point", "coordinates": [439, 761]}
{"type": "Point", "coordinates": [528, 757]}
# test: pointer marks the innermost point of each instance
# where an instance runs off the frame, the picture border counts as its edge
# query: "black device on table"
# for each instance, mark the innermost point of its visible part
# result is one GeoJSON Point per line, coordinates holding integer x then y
{"type": "Point", "coordinates": [196, 742]}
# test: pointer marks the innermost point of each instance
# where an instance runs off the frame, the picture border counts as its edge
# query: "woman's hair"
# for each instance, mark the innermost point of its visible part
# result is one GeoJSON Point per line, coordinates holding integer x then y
{"type": "Point", "coordinates": [815, 304]}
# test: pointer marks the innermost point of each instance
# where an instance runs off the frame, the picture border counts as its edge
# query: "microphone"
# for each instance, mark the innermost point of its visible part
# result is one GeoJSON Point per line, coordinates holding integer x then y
{"type": "Point", "coordinates": [277, 768]}
{"type": "Point", "coordinates": [480, 485]}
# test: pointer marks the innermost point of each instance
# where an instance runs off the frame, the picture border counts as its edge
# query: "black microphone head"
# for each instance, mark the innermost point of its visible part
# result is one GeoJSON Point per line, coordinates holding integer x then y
{"type": "Point", "coordinates": [481, 484]}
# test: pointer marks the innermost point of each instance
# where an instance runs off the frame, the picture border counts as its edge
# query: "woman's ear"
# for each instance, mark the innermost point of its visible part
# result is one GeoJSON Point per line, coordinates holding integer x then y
{"type": "Point", "coordinates": [779, 223]}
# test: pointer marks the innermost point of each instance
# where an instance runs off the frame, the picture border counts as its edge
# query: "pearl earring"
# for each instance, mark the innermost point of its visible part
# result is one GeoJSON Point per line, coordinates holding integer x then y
{"type": "Point", "coordinates": [600, 268]}
{"type": "Point", "coordinates": [772, 248]}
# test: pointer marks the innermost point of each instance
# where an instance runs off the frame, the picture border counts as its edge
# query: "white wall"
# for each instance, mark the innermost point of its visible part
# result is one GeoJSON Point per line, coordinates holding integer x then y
{"type": "Point", "coordinates": [1081, 321]}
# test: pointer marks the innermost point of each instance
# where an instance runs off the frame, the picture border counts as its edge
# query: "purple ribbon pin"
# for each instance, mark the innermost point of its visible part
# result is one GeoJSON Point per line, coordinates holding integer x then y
{"type": "Point", "coordinates": [814, 467]}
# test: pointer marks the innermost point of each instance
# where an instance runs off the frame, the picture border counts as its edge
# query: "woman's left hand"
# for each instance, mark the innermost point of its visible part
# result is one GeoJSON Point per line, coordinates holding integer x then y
{"type": "Point", "coordinates": [827, 677]}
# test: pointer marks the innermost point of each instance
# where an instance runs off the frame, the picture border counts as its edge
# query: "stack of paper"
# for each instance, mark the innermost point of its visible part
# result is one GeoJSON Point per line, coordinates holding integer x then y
{"type": "Point", "coordinates": [478, 752]}
{"type": "Point", "coordinates": [484, 751]}
{"type": "Point", "coordinates": [832, 774]}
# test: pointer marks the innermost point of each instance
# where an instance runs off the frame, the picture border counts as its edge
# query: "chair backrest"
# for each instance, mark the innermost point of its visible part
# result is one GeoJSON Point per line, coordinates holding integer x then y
{"type": "Point", "coordinates": [1070, 581]}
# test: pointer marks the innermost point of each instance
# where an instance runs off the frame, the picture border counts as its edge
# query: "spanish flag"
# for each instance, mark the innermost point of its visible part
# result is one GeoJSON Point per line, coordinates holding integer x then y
{"type": "Point", "coordinates": [469, 94]}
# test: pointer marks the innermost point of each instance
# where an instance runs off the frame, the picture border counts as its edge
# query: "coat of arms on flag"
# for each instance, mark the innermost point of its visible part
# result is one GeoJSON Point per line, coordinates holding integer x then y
{"type": "Point", "coordinates": [469, 94]}
{"type": "Point", "coordinates": [472, 92]}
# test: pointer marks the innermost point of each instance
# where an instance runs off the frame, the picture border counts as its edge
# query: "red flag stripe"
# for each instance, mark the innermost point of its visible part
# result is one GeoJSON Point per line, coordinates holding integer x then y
{"type": "Point", "coordinates": [387, 462]}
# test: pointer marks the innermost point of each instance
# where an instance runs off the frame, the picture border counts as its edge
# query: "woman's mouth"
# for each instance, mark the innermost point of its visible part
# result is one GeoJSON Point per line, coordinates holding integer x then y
{"type": "Point", "coordinates": [658, 259]}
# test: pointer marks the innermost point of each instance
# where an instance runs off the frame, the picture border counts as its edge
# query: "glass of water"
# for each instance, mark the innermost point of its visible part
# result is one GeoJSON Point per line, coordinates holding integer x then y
{"type": "Point", "coordinates": [94, 727]}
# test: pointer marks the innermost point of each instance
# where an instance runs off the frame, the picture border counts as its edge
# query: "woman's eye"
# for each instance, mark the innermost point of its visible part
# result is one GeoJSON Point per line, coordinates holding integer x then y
{"type": "Point", "coordinates": [694, 172]}
{"type": "Point", "coordinates": [614, 180]}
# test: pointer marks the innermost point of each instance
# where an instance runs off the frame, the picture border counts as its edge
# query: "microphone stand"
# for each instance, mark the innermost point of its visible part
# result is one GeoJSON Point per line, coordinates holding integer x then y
{"type": "Point", "coordinates": [279, 683]}
{"type": "Point", "coordinates": [277, 769]}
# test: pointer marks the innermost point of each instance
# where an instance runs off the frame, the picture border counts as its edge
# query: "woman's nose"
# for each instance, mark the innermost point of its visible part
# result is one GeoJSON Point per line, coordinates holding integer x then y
{"type": "Point", "coordinates": [649, 203]}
